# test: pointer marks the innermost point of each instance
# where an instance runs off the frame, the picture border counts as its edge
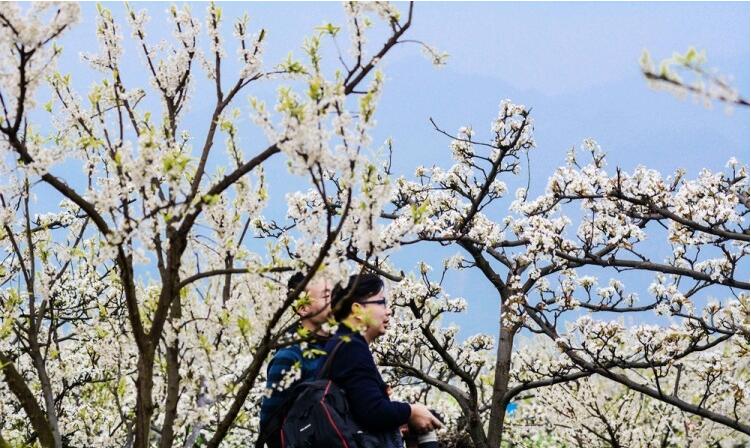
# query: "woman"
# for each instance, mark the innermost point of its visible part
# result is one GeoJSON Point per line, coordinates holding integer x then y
{"type": "Point", "coordinates": [363, 313]}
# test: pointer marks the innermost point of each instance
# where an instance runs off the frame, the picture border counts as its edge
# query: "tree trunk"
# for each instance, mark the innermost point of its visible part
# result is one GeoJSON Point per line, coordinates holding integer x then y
{"type": "Point", "coordinates": [173, 377]}
{"type": "Point", "coordinates": [144, 402]}
{"type": "Point", "coordinates": [19, 388]}
{"type": "Point", "coordinates": [168, 309]}
{"type": "Point", "coordinates": [173, 393]}
{"type": "Point", "coordinates": [49, 400]}
{"type": "Point", "coordinates": [500, 385]}
{"type": "Point", "coordinates": [477, 431]}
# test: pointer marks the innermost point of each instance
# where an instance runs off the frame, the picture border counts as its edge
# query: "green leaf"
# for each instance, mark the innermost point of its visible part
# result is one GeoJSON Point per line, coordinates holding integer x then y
{"type": "Point", "coordinates": [226, 126]}
{"type": "Point", "coordinates": [313, 353]}
{"type": "Point", "coordinates": [418, 212]}
{"type": "Point", "coordinates": [288, 103]}
{"type": "Point", "coordinates": [203, 342]}
{"type": "Point", "coordinates": [315, 89]}
{"type": "Point", "coordinates": [244, 324]}
{"type": "Point", "coordinates": [210, 199]}
{"type": "Point", "coordinates": [6, 328]}
{"type": "Point", "coordinates": [121, 385]}
{"type": "Point", "coordinates": [329, 28]}
{"type": "Point", "coordinates": [263, 194]}
{"type": "Point", "coordinates": [303, 332]}
{"type": "Point", "coordinates": [292, 66]}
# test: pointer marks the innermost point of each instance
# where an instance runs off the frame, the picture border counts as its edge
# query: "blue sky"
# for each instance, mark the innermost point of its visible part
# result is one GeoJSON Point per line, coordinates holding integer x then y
{"type": "Point", "coordinates": [575, 64]}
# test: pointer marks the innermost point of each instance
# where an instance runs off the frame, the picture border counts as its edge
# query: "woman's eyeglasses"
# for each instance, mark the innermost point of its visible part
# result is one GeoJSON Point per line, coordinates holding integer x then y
{"type": "Point", "coordinates": [375, 302]}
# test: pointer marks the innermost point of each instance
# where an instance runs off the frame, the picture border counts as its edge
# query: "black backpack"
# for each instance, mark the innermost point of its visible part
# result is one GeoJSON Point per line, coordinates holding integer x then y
{"type": "Point", "coordinates": [317, 416]}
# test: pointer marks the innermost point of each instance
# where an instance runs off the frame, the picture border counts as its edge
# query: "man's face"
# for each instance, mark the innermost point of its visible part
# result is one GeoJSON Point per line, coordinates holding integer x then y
{"type": "Point", "coordinates": [318, 310]}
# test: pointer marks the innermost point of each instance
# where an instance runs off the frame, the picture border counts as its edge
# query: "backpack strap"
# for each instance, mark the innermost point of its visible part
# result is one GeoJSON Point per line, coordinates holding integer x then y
{"type": "Point", "coordinates": [268, 432]}
{"type": "Point", "coordinates": [324, 372]}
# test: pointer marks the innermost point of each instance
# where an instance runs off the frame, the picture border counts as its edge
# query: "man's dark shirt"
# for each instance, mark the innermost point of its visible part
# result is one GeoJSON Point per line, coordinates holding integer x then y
{"type": "Point", "coordinates": [283, 361]}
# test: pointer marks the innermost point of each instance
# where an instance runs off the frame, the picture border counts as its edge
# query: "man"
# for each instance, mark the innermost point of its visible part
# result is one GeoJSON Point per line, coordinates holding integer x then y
{"type": "Point", "coordinates": [314, 309]}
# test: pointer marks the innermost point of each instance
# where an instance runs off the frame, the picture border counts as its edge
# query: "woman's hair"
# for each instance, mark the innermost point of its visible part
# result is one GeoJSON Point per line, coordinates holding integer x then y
{"type": "Point", "coordinates": [359, 288]}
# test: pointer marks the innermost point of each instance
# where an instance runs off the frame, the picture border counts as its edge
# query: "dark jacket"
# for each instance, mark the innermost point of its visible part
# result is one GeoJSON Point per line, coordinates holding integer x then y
{"type": "Point", "coordinates": [283, 361]}
{"type": "Point", "coordinates": [354, 371]}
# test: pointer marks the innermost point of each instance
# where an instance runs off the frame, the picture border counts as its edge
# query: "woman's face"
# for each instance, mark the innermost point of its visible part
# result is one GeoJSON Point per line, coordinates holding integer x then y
{"type": "Point", "coordinates": [375, 314]}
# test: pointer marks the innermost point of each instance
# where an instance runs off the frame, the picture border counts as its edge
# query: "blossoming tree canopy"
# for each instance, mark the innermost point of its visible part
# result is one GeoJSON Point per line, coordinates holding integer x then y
{"type": "Point", "coordinates": [137, 312]}
{"type": "Point", "coordinates": [540, 259]}
{"type": "Point", "coordinates": [142, 297]}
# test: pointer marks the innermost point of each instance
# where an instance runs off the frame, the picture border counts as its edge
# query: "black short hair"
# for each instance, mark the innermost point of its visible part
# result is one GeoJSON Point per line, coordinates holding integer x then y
{"type": "Point", "coordinates": [359, 288]}
{"type": "Point", "coordinates": [294, 281]}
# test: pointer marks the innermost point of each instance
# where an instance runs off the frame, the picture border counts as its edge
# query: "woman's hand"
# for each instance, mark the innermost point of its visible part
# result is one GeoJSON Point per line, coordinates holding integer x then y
{"type": "Point", "coordinates": [422, 420]}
